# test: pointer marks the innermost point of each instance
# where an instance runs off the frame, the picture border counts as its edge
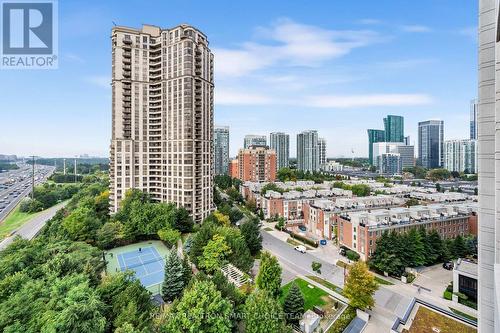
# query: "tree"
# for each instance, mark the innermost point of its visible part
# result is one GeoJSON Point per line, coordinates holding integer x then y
{"type": "Point", "coordinates": [269, 277]}
{"type": "Point", "coordinates": [201, 239]}
{"type": "Point", "coordinates": [293, 305]}
{"type": "Point", "coordinates": [187, 271]}
{"type": "Point", "coordinates": [459, 247]}
{"type": "Point", "coordinates": [438, 174]}
{"type": "Point", "coordinates": [414, 249]}
{"type": "Point", "coordinates": [180, 220]}
{"type": "Point", "coordinates": [82, 224]}
{"type": "Point", "coordinates": [215, 254]}
{"type": "Point", "coordinates": [251, 233]}
{"type": "Point", "coordinates": [240, 254]}
{"type": "Point", "coordinates": [263, 314]}
{"type": "Point", "coordinates": [174, 281]}
{"type": "Point", "coordinates": [316, 267]}
{"type": "Point", "coordinates": [261, 214]}
{"type": "Point", "coordinates": [201, 309]}
{"type": "Point", "coordinates": [286, 174]}
{"type": "Point", "coordinates": [109, 234]}
{"type": "Point", "coordinates": [169, 236]}
{"type": "Point", "coordinates": [281, 223]}
{"type": "Point", "coordinates": [222, 219]}
{"type": "Point", "coordinates": [360, 286]}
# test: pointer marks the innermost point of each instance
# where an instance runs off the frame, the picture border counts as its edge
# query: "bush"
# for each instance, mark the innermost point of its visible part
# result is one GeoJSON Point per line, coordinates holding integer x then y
{"type": "Point", "coordinates": [352, 255]}
{"type": "Point", "coordinates": [343, 320]}
{"type": "Point", "coordinates": [409, 277]}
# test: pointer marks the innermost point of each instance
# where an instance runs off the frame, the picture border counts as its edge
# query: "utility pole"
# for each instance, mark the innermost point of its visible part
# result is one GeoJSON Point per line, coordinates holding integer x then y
{"type": "Point", "coordinates": [64, 166]}
{"type": "Point", "coordinates": [33, 180]}
{"type": "Point", "coordinates": [75, 169]}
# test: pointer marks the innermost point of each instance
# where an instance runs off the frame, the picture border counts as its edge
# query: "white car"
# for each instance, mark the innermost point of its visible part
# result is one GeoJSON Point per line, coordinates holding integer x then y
{"type": "Point", "coordinates": [300, 248]}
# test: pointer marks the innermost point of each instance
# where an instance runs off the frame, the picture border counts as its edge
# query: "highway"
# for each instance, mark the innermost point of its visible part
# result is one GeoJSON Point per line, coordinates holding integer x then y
{"type": "Point", "coordinates": [15, 185]}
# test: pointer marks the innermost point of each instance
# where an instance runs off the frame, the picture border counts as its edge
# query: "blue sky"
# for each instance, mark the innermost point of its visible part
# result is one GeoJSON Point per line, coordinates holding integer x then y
{"type": "Point", "coordinates": [335, 66]}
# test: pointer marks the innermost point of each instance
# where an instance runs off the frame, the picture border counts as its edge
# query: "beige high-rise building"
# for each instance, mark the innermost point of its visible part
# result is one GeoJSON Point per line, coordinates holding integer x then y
{"type": "Point", "coordinates": [162, 126]}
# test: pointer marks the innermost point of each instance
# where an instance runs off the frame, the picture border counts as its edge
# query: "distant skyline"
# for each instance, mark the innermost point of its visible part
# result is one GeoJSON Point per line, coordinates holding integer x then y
{"type": "Point", "coordinates": [336, 67]}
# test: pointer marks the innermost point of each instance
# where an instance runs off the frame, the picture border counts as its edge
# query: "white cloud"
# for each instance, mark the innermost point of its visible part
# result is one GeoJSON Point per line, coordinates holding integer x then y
{"type": "Point", "coordinates": [103, 81]}
{"type": "Point", "coordinates": [289, 43]}
{"type": "Point", "coordinates": [416, 28]}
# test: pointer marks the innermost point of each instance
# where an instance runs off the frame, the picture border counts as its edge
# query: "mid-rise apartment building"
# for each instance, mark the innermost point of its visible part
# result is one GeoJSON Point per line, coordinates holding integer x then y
{"type": "Point", "coordinates": [460, 155]}
{"type": "Point", "coordinates": [254, 140]}
{"type": "Point", "coordinates": [256, 164]}
{"type": "Point", "coordinates": [386, 155]}
{"type": "Point", "coordinates": [308, 151]}
{"type": "Point", "coordinates": [221, 150]}
{"type": "Point", "coordinates": [359, 231]}
{"type": "Point", "coordinates": [280, 143]}
{"type": "Point", "coordinates": [162, 116]}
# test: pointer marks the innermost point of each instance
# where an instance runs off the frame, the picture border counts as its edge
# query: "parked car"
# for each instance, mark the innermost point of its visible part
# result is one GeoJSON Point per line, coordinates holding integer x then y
{"type": "Point", "coordinates": [300, 248]}
{"type": "Point", "coordinates": [448, 265]}
{"type": "Point", "coordinates": [342, 251]}
{"type": "Point", "coordinates": [302, 228]}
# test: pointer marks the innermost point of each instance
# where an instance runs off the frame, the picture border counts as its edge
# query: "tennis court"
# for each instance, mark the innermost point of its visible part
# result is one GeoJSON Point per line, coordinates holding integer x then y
{"type": "Point", "coordinates": [146, 263]}
{"type": "Point", "coordinates": [145, 259]}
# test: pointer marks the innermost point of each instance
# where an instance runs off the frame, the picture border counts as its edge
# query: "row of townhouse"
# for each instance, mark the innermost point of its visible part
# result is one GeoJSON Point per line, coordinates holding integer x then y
{"type": "Point", "coordinates": [440, 197]}
{"type": "Point", "coordinates": [320, 215]}
{"type": "Point", "coordinates": [360, 230]}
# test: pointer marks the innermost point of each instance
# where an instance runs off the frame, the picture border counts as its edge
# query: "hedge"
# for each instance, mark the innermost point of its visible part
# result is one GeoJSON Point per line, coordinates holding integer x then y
{"type": "Point", "coordinates": [343, 320]}
{"type": "Point", "coordinates": [352, 255]}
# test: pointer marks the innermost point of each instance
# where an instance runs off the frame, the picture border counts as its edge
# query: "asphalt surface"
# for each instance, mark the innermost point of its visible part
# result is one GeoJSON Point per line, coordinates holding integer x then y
{"type": "Point", "coordinates": [300, 263]}
{"type": "Point", "coordinates": [31, 228]}
{"type": "Point", "coordinates": [15, 185]}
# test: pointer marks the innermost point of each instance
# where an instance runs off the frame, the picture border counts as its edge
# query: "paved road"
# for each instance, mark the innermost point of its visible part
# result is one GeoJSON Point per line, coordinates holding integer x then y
{"type": "Point", "coordinates": [388, 302]}
{"type": "Point", "coordinates": [22, 187]}
{"type": "Point", "coordinates": [301, 262]}
{"type": "Point", "coordinates": [31, 228]}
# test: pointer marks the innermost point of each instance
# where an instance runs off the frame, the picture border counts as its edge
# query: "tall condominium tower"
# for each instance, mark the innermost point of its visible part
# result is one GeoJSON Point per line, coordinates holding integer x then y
{"type": "Point", "coordinates": [430, 143]}
{"type": "Point", "coordinates": [162, 116]}
{"type": "Point", "coordinates": [254, 140]}
{"type": "Point", "coordinates": [321, 151]}
{"type": "Point", "coordinates": [280, 143]}
{"type": "Point", "coordinates": [488, 120]}
{"type": "Point", "coordinates": [473, 119]}
{"type": "Point", "coordinates": [460, 155]}
{"type": "Point", "coordinates": [307, 151]}
{"type": "Point", "coordinates": [221, 150]}
{"type": "Point", "coordinates": [374, 136]}
{"type": "Point", "coordinates": [394, 128]}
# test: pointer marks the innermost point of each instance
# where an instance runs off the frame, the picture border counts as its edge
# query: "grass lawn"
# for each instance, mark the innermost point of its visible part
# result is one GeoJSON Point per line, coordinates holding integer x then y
{"type": "Point", "coordinates": [13, 221]}
{"type": "Point", "coordinates": [427, 321]}
{"type": "Point", "coordinates": [296, 243]}
{"type": "Point", "coordinates": [325, 283]}
{"type": "Point", "coordinates": [465, 315]}
{"type": "Point", "coordinates": [268, 229]}
{"type": "Point", "coordinates": [312, 296]}
{"type": "Point", "coordinates": [382, 281]}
